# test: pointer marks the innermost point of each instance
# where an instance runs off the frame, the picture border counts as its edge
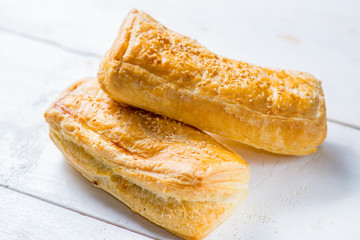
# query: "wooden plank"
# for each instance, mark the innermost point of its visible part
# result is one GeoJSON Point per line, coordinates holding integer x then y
{"type": "Point", "coordinates": [314, 196]}
{"type": "Point", "coordinates": [24, 217]}
{"type": "Point", "coordinates": [314, 36]}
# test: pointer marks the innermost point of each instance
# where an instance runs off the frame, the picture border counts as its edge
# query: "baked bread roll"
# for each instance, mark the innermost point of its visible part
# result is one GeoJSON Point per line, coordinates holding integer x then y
{"type": "Point", "coordinates": [156, 69]}
{"type": "Point", "coordinates": [173, 174]}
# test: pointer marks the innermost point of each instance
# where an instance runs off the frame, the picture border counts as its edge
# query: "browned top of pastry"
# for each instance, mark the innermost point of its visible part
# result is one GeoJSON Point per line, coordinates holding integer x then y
{"type": "Point", "coordinates": [185, 63]}
{"type": "Point", "coordinates": [162, 155]}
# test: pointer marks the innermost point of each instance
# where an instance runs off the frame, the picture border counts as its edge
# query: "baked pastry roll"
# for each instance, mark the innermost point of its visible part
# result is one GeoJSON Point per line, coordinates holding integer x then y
{"type": "Point", "coordinates": [173, 174]}
{"type": "Point", "coordinates": [154, 68]}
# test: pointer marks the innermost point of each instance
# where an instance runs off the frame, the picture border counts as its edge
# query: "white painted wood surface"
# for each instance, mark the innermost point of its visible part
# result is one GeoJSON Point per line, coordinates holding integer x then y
{"type": "Point", "coordinates": [24, 218]}
{"type": "Point", "coordinates": [317, 36]}
{"type": "Point", "coordinates": [46, 46]}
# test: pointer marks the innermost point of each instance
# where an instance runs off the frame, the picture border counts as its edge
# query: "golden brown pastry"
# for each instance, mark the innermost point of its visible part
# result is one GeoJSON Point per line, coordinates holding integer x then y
{"type": "Point", "coordinates": [171, 173]}
{"type": "Point", "coordinates": [154, 68]}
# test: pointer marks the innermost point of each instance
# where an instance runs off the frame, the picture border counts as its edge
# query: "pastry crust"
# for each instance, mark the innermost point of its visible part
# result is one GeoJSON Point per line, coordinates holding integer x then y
{"type": "Point", "coordinates": [171, 173]}
{"type": "Point", "coordinates": [154, 68]}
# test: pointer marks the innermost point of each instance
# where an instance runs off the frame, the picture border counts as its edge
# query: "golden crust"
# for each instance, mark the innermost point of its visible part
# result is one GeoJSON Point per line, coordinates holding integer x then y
{"type": "Point", "coordinates": [190, 220]}
{"type": "Point", "coordinates": [171, 173]}
{"type": "Point", "coordinates": [154, 68]}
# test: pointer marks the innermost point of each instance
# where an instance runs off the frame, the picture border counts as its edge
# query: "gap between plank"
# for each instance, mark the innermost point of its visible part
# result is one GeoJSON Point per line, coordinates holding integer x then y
{"type": "Point", "coordinates": [343, 124]}
{"type": "Point", "coordinates": [73, 210]}
{"type": "Point", "coordinates": [49, 42]}
{"type": "Point", "coordinates": [98, 56]}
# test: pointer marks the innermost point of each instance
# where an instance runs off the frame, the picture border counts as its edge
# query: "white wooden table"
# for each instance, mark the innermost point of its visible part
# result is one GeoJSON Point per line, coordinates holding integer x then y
{"type": "Point", "coordinates": [45, 46]}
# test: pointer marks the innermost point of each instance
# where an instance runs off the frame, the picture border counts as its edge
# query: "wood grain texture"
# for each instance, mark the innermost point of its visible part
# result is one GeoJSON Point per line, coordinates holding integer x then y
{"type": "Point", "coordinates": [24, 217]}
{"type": "Point", "coordinates": [318, 37]}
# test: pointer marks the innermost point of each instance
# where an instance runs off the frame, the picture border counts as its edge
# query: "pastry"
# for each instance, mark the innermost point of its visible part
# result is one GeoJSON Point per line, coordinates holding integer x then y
{"type": "Point", "coordinates": [171, 173]}
{"type": "Point", "coordinates": [156, 69]}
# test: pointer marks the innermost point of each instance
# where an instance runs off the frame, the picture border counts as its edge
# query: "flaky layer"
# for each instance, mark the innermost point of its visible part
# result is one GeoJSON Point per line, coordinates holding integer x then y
{"type": "Point", "coordinates": [163, 156]}
{"type": "Point", "coordinates": [190, 220]}
{"type": "Point", "coordinates": [154, 68]}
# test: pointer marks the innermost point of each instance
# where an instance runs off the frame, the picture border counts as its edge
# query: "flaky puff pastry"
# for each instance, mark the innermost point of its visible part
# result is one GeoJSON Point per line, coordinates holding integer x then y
{"type": "Point", "coordinates": [154, 68]}
{"type": "Point", "coordinates": [171, 173]}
